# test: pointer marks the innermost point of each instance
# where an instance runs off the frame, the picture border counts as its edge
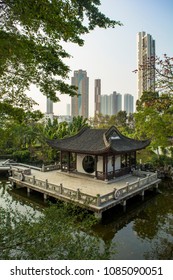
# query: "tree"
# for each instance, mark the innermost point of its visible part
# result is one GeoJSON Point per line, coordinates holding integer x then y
{"type": "Point", "coordinates": [164, 74]}
{"type": "Point", "coordinates": [77, 124]}
{"type": "Point", "coordinates": [31, 49]}
{"type": "Point", "coordinates": [154, 118]}
{"type": "Point", "coordinates": [59, 232]}
{"type": "Point", "coordinates": [163, 70]}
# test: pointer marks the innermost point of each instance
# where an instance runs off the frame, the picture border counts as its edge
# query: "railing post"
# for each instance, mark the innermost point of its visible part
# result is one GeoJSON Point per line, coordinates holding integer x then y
{"type": "Point", "coordinates": [46, 184]}
{"type": "Point", "coordinates": [127, 186]}
{"type": "Point", "coordinates": [33, 180]}
{"type": "Point", "coordinates": [43, 168]}
{"type": "Point", "coordinates": [61, 188]}
{"type": "Point", "coordinates": [78, 194]}
{"type": "Point", "coordinates": [138, 182]}
{"type": "Point", "coordinates": [98, 200]}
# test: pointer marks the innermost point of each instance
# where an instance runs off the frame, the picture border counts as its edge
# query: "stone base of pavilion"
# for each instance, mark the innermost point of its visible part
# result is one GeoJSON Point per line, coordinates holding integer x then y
{"type": "Point", "coordinates": [85, 191]}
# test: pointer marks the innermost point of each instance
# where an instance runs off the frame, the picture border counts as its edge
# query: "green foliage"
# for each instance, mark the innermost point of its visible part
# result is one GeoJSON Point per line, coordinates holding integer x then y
{"type": "Point", "coordinates": [77, 124]}
{"type": "Point", "coordinates": [124, 122]}
{"type": "Point", "coordinates": [31, 49]}
{"type": "Point", "coordinates": [154, 118]}
{"type": "Point", "coordinates": [25, 138]}
{"type": "Point", "coordinates": [59, 232]}
{"type": "Point", "coordinates": [21, 156]}
{"type": "Point", "coordinates": [161, 161]}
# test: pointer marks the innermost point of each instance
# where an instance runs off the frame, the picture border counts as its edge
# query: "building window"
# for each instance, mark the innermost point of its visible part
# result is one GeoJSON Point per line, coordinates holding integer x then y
{"type": "Point", "coordinates": [88, 164]}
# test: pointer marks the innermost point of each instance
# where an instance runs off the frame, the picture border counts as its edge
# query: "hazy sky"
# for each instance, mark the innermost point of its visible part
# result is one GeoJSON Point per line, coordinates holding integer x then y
{"type": "Point", "coordinates": [111, 54]}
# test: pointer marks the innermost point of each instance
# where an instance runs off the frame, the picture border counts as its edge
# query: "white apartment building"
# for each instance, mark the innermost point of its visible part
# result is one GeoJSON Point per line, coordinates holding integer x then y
{"type": "Point", "coordinates": [145, 63]}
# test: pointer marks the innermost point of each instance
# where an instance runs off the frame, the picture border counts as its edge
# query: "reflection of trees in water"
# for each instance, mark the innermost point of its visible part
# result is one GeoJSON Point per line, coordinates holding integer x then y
{"type": "Point", "coordinates": [152, 220]}
{"type": "Point", "coordinates": [114, 220]}
{"type": "Point", "coordinates": [19, 197]}
{"type": "Point", "coordinates": [155, 216]}
{"type": "Point", "coordinates": [162, 244]}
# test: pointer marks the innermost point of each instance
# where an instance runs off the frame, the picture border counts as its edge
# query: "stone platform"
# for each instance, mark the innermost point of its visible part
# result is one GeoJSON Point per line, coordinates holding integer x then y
{"type": "Point", "coordinates": [83, 190]}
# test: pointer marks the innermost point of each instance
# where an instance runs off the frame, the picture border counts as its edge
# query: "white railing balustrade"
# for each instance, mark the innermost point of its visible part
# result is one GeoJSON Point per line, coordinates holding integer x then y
{"type": "Point", "coordinates": [107, 197]}
{"type": "Point", "coordinates": [51, 167]}
{"type": "Point", "coordinates": [77, 195]}
{"type": "Point", "coordinates": [59, 190]}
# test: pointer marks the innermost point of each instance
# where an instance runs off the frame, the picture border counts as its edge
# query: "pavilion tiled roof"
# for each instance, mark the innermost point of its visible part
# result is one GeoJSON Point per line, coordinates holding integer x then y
{"type": "Point", "coordinates": [98, 141]}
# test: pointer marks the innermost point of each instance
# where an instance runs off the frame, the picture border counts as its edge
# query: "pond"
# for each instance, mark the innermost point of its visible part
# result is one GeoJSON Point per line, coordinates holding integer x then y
{"type": "Point", "coordinates": [143, 232]}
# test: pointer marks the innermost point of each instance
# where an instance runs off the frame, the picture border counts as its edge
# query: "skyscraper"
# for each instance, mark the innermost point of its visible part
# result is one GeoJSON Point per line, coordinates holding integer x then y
{"type": "Point", "coordinates": [68, 109]}
{"type": "Point", "coordinates": [79, 104]}
{"type": "Point", "coordinates": [116, 102]}
{"type": "Point", "coordinates": [145, 63]}
{"type": "Point", "coordinates": [104, 105]}
{"type": "Point", "coordinates": [49, 109]}
{"type": "Point", "coordinates": [97, 92]}
{"type": "Point", "coordinates": [128, 103]}
{"type": "Point", "coordinates": [111, 104]}
{"type": "Point", "coordinates": [49, 106]}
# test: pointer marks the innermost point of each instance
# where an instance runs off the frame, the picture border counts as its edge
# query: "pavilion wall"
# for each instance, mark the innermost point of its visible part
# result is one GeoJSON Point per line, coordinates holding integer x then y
{"type": "Point", "coordinates": [100, 164]}
{"type": "Point", "coordinates": [117, 162]}
{"type": "Point", "coordinates": [79, 166]}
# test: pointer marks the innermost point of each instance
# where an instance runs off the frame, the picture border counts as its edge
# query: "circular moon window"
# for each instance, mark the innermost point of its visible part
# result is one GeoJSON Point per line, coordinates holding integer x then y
{"type": "Point", "coordinates": [88, 164]}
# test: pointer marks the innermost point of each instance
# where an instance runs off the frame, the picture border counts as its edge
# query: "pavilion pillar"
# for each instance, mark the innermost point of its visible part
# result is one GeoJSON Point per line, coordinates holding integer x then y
{"type": "Point", "coordinates": [68, 161]}
{"type": "Point", "coordinates": [135, 158]}
{"type": "Point", "coordinates": [125, 159]}
{"type": "Point", "coordinates": [106, 167]}
{"type": "Point", "coordinates": [95, 167]}
{"type": "Point", "coordinates": [75, 161]}
{"type": "Point", "coordinates": [130, 159]}
{"type": "Point", "coordinates": [113, 165]}
{"type": "Point", "coordinates": [61, 160]}
{"type": "Point", "coordinates": [103, 167]}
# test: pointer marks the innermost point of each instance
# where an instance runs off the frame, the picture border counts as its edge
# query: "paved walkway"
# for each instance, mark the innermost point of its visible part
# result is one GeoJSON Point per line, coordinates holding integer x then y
{"type": "Point", "coordinates": [84, 183]}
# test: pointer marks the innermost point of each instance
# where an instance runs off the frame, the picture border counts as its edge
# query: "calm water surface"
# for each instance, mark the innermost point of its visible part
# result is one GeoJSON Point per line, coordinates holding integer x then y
{"type": "Point", "coordinates": [145, 231]}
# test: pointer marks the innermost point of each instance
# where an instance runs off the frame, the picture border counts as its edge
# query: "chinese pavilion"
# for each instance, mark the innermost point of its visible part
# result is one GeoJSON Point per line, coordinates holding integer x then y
{"type": "Point", "coordinates": [101, 153]}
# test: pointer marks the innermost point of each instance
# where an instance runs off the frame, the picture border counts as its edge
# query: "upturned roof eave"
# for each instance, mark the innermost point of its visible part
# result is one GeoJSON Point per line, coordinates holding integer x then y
{"type": "Point", "coordinates": [100, 152]}
{"type": "Point", "coordinates": [91, 152]}
{"type": "Point", "coordinates": [132, 149]}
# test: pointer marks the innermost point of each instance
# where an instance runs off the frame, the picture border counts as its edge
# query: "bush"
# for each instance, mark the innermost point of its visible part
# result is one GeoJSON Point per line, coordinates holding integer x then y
{"type": "Point", "coordinates": [21, 155]}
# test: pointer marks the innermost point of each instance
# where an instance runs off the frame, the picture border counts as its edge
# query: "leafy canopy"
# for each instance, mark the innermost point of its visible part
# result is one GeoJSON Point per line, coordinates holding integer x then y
{"type": "Point", "coordinates": [31, 49]}
{"type": "Point", "coordinates": [154, 118]}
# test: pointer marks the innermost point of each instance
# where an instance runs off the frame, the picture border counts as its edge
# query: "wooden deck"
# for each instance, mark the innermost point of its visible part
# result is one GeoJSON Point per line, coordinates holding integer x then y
{"type": "Point", "coordinates": [84, 191]}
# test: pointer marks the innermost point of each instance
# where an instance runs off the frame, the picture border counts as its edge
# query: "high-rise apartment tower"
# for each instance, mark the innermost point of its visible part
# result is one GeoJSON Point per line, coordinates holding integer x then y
{"type": "Point", "coordinates": [49, 109]}
{"type": "Point", "coordinates": [79, 104]}
{"type": "Point", "coordinates": [145, 63]}
{"type": "Point", "coordinates": [49, 106]}
{"type": "Point", "coordinates": [116, 102]}
{"type": "Point", "coordinates": [97, 92]}
{"type": "Point", "coordinates": [128, 103]}
{"type": "Point", "coordinates": [111, 104]}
